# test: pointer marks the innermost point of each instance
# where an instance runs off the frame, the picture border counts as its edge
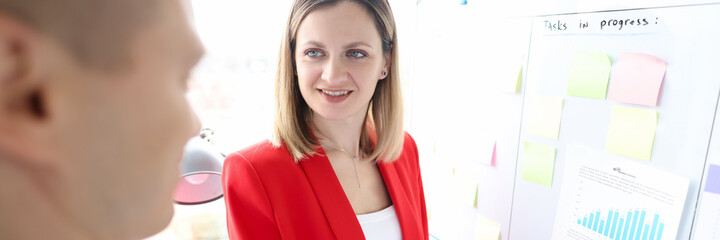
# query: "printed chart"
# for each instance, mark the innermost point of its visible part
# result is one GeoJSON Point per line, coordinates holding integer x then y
{"type": "Point", "coordinates": [624, 226]}
{"type": "Point", "coordinates": [603, 197]}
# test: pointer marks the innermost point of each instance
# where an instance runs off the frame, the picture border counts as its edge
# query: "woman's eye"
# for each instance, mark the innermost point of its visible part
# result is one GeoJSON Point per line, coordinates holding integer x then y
{"type": "Point", "coordinates": [313, 53]}
{"type": "Point", "coordinates": [356, 54]}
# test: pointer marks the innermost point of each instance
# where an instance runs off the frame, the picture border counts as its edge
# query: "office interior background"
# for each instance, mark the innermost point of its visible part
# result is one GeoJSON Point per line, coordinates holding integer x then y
{"type": "Point", "coordinates": [473, 74]}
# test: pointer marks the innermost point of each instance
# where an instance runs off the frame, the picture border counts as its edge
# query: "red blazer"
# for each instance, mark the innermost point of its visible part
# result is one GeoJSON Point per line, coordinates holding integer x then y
{"type": "Point", "coordinates": [269, 196]}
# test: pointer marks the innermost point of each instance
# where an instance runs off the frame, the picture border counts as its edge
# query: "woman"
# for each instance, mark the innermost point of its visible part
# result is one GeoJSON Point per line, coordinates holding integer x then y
{"type": "Point", "coordinates": [340, 165]}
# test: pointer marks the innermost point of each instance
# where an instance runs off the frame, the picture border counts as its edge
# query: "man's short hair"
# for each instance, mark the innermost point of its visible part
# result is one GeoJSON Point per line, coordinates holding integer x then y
{"type": "Point", "coordinates": [96, 32]}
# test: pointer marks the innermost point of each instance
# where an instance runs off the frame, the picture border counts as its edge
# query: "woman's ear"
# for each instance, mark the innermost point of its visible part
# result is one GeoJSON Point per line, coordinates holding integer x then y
{"type": "Point", "coordinates": [386, 67]}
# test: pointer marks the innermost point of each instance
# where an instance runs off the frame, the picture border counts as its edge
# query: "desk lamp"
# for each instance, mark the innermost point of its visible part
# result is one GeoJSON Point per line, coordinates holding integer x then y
{"type": "Point", "coordinates": [200, 181]}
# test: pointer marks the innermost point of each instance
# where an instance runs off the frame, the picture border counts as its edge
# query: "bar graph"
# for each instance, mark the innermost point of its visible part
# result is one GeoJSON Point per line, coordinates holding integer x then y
{"type": "Point", "coordinates": [600, 202]}
{"type": "Point", "coordinates": [631, 225]}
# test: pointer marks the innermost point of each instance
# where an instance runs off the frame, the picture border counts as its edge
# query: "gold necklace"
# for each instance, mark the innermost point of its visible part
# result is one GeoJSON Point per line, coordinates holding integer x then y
{"type": "Point", "coordinates": [354, 158]}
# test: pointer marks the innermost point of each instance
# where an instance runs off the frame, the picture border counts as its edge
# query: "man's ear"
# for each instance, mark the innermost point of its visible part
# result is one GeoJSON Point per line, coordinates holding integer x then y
{"type": "Point", "coordinates": [23, 101]}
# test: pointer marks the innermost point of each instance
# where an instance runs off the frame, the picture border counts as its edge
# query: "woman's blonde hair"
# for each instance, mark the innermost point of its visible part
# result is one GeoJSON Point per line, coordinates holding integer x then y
{"type": "Point", "coordinates": [382, 137]}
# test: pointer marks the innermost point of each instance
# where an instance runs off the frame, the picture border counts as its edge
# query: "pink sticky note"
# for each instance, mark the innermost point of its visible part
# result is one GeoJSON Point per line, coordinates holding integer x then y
{"type": "Point", "coordinates": [486, 151]}
{"type": "Point", "coordinates": [494, 155]}
{"type": "Point", "coordinates": [636, 79]}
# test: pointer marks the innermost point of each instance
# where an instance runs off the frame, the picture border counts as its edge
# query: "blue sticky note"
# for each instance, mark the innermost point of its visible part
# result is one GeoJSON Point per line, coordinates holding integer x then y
{"type": "Point", "coordinates": [713, 179]}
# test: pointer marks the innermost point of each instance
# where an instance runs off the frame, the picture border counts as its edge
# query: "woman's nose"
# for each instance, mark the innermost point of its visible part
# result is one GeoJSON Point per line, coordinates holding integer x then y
{"type": "Point", "coordinates": [334, 71]}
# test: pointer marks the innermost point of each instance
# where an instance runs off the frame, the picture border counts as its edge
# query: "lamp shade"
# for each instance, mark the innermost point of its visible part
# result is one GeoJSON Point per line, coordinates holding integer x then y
{"type": "Point", "coordinates": [200, 179]}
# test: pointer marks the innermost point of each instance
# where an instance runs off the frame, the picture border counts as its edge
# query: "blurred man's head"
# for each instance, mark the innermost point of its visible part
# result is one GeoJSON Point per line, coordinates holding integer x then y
{"type": "Point", "coordinates": [93, 114]}
{"type": "Point", "coordinates": [95, 32]}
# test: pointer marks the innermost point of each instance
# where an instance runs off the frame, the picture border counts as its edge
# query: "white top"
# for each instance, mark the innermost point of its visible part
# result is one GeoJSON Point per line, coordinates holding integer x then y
{"type": "Point", "coordinates": [381, 225]}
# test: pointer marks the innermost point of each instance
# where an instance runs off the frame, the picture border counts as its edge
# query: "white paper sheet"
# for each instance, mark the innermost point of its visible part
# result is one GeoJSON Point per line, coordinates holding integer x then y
{"type": "Point", "coordinates": [601, 192]}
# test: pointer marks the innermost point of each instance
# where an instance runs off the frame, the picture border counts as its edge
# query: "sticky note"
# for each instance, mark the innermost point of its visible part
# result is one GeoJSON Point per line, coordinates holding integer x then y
{"type": "Point", "coordinates": [589, 73]}
{"type": "Point", "coordinates": [493, 156]}
{"type": "Point", "coordinates": [637, 79]}
{"type": "Point", "coordinates": [544, 114]}
{"type": "Point", "coordinates": [502, 73]}
{"type": "Point", "coordinates": [538, 163]}
{"type": "Point", "coordinates": [517, 81]}
{"type": "Point", "coordinates": [480, 149]}
{"type": "Point", "coordinates": [429, 209]}
{"type": "Point", "coordinates": [631, 132]}
{"type": "Point", "coordinates": [712, 184]}
{"type": "Point", "coordinates": [486, 229]}
{"type": "Point", "coordinates": [465, 184]}
{"type": "Point", "coordinates": [485, 149]}
{"type": "Point", "coordinates": [511, 77]}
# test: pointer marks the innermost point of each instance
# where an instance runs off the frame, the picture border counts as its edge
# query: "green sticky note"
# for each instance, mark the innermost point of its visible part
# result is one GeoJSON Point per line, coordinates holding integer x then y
{"type": "Point", "coordinates": [544, 114]}
{"type": "Point", "coordinates": [512, 84]}
{"type": "Point", "coordinates": [465, 186]}
{"type": "Point", "coordinates": [589, 73]}
{"type": "Point", "coordinates": [538, 163]}
{"type": "Point", "coordinates": [631, 132]}
{"type": "Point", "coordinates": [502, 72]}
{"type": "Point", "coordinates": [486, 229]}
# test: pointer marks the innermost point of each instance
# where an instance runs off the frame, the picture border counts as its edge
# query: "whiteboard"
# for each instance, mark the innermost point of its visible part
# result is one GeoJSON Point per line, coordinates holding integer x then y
{"type": "Point", "coordinates": [452, 109]}
{"type": "Point", "coordinates": [707, 218]}
{"type": "Point", "coordinates": [685, 38]}
{"type": "Point", "coordinates": [550, 7]}
{"type": "Point", "coordinates": [452, 58]}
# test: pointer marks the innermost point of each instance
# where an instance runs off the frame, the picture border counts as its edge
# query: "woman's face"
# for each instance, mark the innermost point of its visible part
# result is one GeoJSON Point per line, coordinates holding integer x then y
{"type": "Point", "coordinates": [339, 60]}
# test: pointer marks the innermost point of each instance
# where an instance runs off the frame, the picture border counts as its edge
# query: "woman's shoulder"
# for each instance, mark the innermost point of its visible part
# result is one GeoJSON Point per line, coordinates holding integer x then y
{"type": "Point", "coordinates": [260, 155]}
{"type": "Point", "coordinates": [408, 141]}
{"type": "Point", "coordinates": [409, 145]}
{"type": "Point", "coordinates": [409, 153]}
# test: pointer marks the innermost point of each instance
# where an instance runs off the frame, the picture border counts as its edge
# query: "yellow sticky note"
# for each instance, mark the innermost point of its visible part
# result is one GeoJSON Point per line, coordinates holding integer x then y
{"type": "Point", "coordinates": [538, 163]}
{"type": "Point", "coordinates": [631, 132]}
{"type": "Point", "coordinates": [589, 73]}
{"type": "Point", "coordinates": [517, 82]}
{"type": "Point", "coordinates": [511, 80]}
{"type": "Point", "coordinates": [429, 209]}
{"type": "Point", "coordinates": [486, 229]}
{"type": "Point", "coordinates": [544, 114]}
{"type": "Point", "coordinates": [501, 72]}
{"type": "Point", "coordinates": [465, 185]}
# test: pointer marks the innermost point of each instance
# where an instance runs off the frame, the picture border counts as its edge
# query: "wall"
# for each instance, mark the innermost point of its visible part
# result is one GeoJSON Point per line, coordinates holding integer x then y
{"type": "Point", "coordinates": [457, 105]}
